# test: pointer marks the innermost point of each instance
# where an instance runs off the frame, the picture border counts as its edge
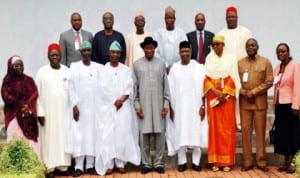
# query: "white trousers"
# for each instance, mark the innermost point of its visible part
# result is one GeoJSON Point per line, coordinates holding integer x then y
{"type": "Point", "coordinates": [196, 155]}
{"type": "Point", "coordinates": [89, 162]}
{"type": "Point", "coordinates": [119, 163]}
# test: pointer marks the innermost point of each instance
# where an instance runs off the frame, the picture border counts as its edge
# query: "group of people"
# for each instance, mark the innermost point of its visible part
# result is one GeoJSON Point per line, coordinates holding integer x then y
{"type": "Point", "coordinates": [106, 99]}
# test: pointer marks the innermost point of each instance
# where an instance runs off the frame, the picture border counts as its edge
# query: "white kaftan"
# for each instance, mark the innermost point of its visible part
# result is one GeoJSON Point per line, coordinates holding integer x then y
{"type": "Point", "coordinates": [235, 41]}
{"type": "Point", "coordinates": [116, 129]}
{"type": "Point", "coordinates": [83, 87]}
{"type": "Point", "coordinates": [53, 104]}
{"type": "Point", "coordinates": [186, 88]}
{"type": "Point", "coordinates": [133, 48]}
{"type": "Point", "coordinates": [168, 44]}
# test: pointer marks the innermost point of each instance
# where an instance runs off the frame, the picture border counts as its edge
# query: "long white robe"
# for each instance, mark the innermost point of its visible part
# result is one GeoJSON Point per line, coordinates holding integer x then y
{"type": "Point", "coordinates": [83, 86]}
{"type": "Point", "coordinates": [53, 103]}
{"type": "Point", "coordinates": [168, 44]}
{"type": "Point", "coordinates": [186, 88]}
{"type": "Point", "coordinates": [133, 48]}
{"type": "Point", "coordinates": [117, 130]}
{"type": "Point", "coordinates": [235, 41]}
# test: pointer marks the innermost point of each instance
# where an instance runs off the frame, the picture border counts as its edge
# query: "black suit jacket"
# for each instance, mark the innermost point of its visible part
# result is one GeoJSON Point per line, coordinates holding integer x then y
{"type": "Point", "coordinates": [192, 37]}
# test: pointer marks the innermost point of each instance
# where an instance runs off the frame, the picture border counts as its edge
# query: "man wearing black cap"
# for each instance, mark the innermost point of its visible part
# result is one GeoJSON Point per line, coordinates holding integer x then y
{"type": "Point", "coordinates": [186, 86]}
{"type": "Point", "coordinates": [151, 104]}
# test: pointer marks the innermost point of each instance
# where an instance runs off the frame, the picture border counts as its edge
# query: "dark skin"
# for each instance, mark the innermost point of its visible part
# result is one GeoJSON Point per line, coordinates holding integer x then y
{"type": "Point", "coordinates": [18, 69]}
{"type": "Point", "coordinates": [149, 51]}
{"type": "Point", "coordinates": [251, 48]}
{"type": "Point", "coordinates": [283, 55]}
{"type": "Point", "coordinates": [86, 60]}
{"type": "Point", "coordinates": [170, 20]}
{"type": "Point", "coordinates": [139, 23]}
{"type": "Point", "coordinates": [185, 54]}
{"type": "Point", "coordinates": [200, 21]}
{"type": "Point", "coordinates": [231, 20]}
{"type": "Point", "coordinates": [108, 22]}
{"type": "Point", "coordinates": [218, 48]}
{"type": "Point", "coordinates": [76, 21]}
{"type": "Point", "coordinates": [114, 57]}
{"type": "Point", "coordinates": [54, 57]}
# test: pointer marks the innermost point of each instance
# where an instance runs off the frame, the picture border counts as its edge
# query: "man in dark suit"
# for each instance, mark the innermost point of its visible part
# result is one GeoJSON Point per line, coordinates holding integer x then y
{"type": "Point", "coordinates": [104, 38]}
{"type": "Point", "coordinates": [70, 40]}
{"type": "Point", "coordinates": [194, 39]}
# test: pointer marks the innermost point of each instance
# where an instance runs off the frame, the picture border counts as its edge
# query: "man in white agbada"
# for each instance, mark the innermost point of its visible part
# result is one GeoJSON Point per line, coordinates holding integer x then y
{"type": "Point", "coordinates": [168, 39]}
{"type": "Point", "coordinates": [236, 37]}
{"type": "Point", "coordinates": [84, 78]}
{"type": "Point", "coordinates": [186, 86]}
{"type": "Point", "coordinates": [133, 40]}
{"type": "Point", "coordinates": [53, 112]}
{"type": "Point", "coordinates": [117, 133]}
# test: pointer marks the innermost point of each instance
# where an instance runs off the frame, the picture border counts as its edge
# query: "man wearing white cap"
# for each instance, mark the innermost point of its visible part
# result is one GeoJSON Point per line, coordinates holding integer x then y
{"type": "Point", "coordinates": [134, 39]}
{"type": "Point", "coordinates": [117, 141]}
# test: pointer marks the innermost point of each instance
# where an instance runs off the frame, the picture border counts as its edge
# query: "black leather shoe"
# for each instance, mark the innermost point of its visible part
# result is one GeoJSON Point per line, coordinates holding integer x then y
{"type": "Point", "coordinates": [247, 168]}
{"type": "Point", "coordinates": [196, 168]}
{"type": "Point", "coordinates": [77, 173]}
{"type": "Point", "coordinates": [50, 175]}
{"type": "Point", "coordinates": [182, 167]}
{"type": "Point", "coordinates": [91, 171]}
{"type": "Point", "coordinates": [160, 169]}
{"type": "Point", "coordinates": [145, 170]}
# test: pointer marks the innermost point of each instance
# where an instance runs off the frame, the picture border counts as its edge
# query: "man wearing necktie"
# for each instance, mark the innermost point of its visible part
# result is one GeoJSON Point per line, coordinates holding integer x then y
{"type": "Point", "coordinates": [200, 39]}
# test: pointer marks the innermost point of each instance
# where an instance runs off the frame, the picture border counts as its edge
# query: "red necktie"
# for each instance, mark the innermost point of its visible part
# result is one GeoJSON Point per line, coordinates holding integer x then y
{"type": "Point", "coordinates": [201, 49]}
{"type": "Point", "coordinates": [77, 38]}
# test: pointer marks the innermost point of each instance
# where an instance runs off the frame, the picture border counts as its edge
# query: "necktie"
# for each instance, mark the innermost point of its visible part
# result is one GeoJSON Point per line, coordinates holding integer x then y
{"type": "Point", "coordinates": [77, 38]}
{"type": "Point", "coordinates": [201, 49]}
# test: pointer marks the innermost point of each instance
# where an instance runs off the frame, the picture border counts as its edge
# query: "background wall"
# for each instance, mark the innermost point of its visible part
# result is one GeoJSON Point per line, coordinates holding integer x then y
{"type": "Point", "coordinates": [27, 27]}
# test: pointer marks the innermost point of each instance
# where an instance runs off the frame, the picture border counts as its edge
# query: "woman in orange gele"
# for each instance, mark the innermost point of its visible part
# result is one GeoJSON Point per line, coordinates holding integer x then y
{"type": "Point", "coordinates": [220, 85]}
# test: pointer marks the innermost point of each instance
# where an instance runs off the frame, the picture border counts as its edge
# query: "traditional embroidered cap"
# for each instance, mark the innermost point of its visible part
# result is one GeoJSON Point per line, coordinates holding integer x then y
{"type": "Point", "coordinates": [115, 46]}
{"type": "Point", "coordinates": [219, 38]}
{"type": "Point", "coordinates": [53, 46]}
{"type": "Point", "coordinates": [185, 44]}
{"type": "Point", "coordinates": [231, 9]}
{"type": "Point", "coordinates": [148, 40]}
{"type": "Point", "coordinates": [86, 45]}
{"type": "Point", "coordinates": [139, 13]}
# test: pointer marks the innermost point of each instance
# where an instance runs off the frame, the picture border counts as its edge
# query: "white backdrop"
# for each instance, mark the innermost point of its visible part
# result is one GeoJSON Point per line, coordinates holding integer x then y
{"type": "Point", "coordinates": [27, 27]}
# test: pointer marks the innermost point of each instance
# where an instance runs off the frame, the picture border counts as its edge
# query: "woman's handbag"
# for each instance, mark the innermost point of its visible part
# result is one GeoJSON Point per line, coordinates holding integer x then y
{"type": "Point", "coordinates": [272, 134]}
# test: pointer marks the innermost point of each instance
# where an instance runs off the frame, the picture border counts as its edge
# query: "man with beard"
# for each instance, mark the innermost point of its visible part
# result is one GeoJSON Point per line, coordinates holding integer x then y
{"type": "Point", "coordinates": [70, 41]}
{"type": "Point", "coordinates": [103, 39]}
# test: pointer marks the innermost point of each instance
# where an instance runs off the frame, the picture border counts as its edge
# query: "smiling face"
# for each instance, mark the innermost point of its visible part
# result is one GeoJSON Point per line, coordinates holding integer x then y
{"type": "Point", "coordinates": [283, 52]}
{"type": "Point", "coordinates": [251, 47]}
{"type": "Point", "coordinates": [185, 54]}
{"type": "Point", "coordinates": [149, 51]}
{"type": "Point", "coordinates": [218, 47]}
{"type": "Point", "coordinates": [18, 67]}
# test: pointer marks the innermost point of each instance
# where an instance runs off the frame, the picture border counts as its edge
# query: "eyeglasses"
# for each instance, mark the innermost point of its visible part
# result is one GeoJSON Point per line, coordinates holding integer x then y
{"type": "Point", "coordinates": [216, 44]}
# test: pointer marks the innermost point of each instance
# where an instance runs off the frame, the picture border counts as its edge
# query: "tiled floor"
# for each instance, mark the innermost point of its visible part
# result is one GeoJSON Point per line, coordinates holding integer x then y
{"type": "Point", "coordinates": [206, 173]}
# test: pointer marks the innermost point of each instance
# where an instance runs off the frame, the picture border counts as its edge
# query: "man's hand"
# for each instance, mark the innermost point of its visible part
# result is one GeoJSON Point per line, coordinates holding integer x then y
{"type": "Point", "coordinates": [295, 112]}
{"type": "Point", "coordinates": [76, 113]}
{"type": "Point", "coordinates": [118, 104]}
{"type": "Point", "coordinates": [164, 112]}
{"type": "Point", "coordinates": [171, 114]}
{"type": "Point", "coordinates": [42, 120]}
{"type": "Point", "coordinates": [202, 112]}
{"type": "Point", "coordinates": [139, 113]}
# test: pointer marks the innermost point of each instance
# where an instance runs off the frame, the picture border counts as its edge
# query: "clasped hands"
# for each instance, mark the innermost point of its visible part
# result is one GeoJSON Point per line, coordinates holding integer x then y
{"type": "Point", "coordinates": [140, 114]}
